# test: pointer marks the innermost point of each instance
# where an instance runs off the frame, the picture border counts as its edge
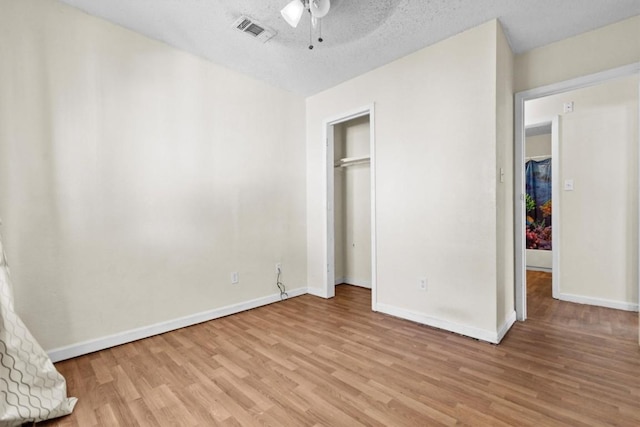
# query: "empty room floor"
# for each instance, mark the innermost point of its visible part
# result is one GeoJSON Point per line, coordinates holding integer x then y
{"type": "Point", "coordinates": [314, 362]}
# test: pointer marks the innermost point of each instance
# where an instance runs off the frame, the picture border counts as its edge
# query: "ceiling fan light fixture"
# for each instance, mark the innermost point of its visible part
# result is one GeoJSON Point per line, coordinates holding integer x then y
{"type": "Point", "coordinates": [319, 8]}
{"type": "Point", "coordinates": [292, 12]}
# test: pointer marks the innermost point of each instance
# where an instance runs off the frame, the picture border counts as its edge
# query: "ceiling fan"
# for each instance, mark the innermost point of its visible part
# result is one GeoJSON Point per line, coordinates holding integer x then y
{"type": "Point", "coordinates": [318, 9]}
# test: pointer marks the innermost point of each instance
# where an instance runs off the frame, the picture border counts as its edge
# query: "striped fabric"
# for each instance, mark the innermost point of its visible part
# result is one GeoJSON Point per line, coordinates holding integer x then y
{"type": "Point", "coordinates": [30, 387]}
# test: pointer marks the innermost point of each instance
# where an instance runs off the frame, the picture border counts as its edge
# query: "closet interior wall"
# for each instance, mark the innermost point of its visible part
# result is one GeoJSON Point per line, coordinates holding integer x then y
{"type": "Point", "coordinates": [352, 191]}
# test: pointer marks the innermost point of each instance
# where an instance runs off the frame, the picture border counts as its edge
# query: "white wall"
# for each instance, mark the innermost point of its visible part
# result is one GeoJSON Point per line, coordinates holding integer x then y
{"type": "Point", "coordinates": [134, 178]}
{"type": "Point", "coordinates": [539, 260]}
{"type": "Point", "coordinates": [353, 205]}
{"type": "Point", "coordinates": [602, 49]}
{"type": "Point", "coordinates": [340, 194]}
{"type": "Point", "coordinates": [538, 146]}
{"type": "Point", "coordinates": [436, 132]}
{"type": "Point", "coordinates": [598, 220]}
{"type": "Point", "coordinates": [131, 184]}
{"type": "Point", "coordinates": [504, 186]}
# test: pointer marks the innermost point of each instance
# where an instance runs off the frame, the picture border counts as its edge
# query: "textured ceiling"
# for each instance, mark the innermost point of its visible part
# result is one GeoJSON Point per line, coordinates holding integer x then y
{"type": "Point", "coordinates": [359, 35]}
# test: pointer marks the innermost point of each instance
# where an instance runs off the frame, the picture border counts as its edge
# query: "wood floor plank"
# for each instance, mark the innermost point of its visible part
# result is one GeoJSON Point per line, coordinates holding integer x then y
{"type": "Point", "coordinates": [312, 362]}
{"type": "Point", "coordinates": [141, 413]}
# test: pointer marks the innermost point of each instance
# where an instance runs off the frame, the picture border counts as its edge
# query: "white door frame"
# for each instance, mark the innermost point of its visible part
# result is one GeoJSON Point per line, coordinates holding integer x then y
{"type": "Point", "coordinates": [555, 207]}
{"type": "Point", "coordinates": [519, 184]}
{"type": "Point", "coordinates": [328, 137]}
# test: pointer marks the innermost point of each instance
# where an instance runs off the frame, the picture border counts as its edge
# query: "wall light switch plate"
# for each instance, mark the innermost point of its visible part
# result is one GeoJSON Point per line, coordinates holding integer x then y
{"type": "Point", "coordinates": [235, 278]}
{"type": "Point", "coordinates": [568, 107]}
{"type": "Point", "coordinates": [568, 185]}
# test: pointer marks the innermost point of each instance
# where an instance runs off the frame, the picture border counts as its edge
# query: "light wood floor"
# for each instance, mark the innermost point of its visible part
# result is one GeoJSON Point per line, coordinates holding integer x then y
{"type": "Point", "coordinates": [314, 362]}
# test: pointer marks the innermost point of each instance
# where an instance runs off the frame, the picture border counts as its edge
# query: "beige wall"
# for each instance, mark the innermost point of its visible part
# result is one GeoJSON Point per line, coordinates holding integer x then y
{"type": "Point", "coordinates": [353, 205]}
{"type": "Point", "coordinates": [598, 50]}
{"type": "Point", "coordinates": [131, 185]}
{"type": "Point", "coordinates": [538, 145]}
{"type": "Point", "coordinates": [504, 186]}
{"type": "Point", "coordinates": [135, 178]}
{"type": "Point", "coordinates": [539, 260]}
{"type": "Point", "coordinates": [436, 130]}
{"type": "Point", "coordinates": [598, 220]}
{"type": "Point", "coordinates": [340, 194]}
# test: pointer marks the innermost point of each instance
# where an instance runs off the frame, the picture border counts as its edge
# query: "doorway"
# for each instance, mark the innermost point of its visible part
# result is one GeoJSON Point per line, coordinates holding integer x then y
{"type": "Point", "coordinates": [579, 256]}
{"type": "Point", "coordinates": [350, 201]}
{"type": "Point", "coordinates": [542, 198]}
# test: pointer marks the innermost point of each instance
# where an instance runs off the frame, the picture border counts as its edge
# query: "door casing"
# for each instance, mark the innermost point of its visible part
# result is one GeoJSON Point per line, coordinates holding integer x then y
{"type": "Point", "coordinates": [519, 184]}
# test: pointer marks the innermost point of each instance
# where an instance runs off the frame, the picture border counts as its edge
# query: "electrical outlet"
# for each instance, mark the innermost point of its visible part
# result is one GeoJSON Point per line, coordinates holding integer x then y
{"type": "Point", "coordinates": [278, 268]}
{"type": "Point", "coordinates": [235, 278]}
{"type": "Point", "coordinates": [422, 283]}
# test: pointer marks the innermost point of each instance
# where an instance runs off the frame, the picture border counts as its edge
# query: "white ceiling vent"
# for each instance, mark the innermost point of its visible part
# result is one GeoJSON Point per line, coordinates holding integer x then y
{"type": "Point", "coordinates": [252, 28]}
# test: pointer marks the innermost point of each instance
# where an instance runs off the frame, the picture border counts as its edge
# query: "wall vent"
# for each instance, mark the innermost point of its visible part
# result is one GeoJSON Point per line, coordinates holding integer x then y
{"type": "Point", "coordinates": [253, 29]}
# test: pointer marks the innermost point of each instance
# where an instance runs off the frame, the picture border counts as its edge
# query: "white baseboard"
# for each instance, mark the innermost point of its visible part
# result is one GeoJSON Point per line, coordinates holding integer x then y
{"type": "Point", "coordinates": [534, 268]}
{"type": "Point", "coordinates": [354, 282]}
{"type": "Point", "coordinates": [318, 292]}
{"type": "Point", "coordinates": [86, 347]}
{"type": "Point", "coordinates": [601, 302]}
{"type": "Point", "coordinates": [91, 346]}
{"type": "Point", "coordinates": [469, 331]}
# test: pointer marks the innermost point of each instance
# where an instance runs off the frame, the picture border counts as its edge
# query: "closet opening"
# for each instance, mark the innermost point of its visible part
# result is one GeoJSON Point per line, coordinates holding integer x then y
{"type": "Point", "coordinates": [352, 203]}
{"type": "Point", "coordinates": [350, 166]}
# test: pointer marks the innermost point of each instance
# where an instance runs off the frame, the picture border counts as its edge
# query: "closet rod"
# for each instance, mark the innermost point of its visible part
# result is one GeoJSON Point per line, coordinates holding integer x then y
{"type": "Point", "coordinates": [349, 161]}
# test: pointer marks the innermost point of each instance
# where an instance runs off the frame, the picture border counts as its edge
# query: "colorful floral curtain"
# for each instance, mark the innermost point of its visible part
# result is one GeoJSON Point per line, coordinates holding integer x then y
{"type": "Point", "coordinates": [538, 204]}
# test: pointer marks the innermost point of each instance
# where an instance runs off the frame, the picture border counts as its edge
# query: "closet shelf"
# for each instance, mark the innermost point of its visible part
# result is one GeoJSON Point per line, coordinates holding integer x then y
{"type": "Point", "coordinates": [348, 161]}
{"type": "Point", "coordinates": [537, 158]}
